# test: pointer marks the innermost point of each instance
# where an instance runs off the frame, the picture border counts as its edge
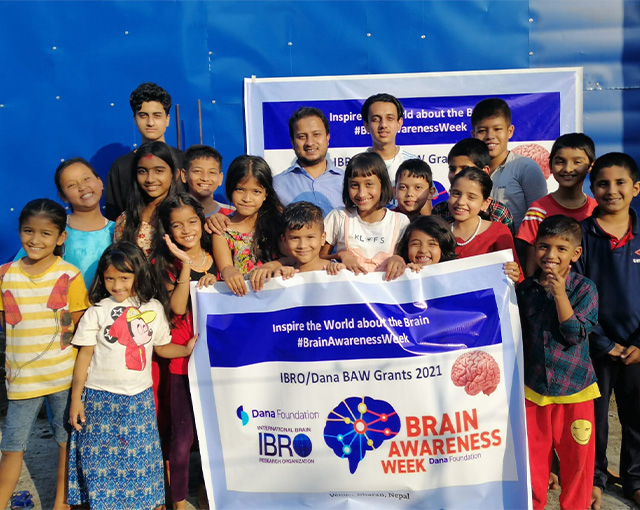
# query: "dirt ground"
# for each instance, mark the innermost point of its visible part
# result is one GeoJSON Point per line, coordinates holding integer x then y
{"type": "Point", "coordinates": [38, 470]}
{"type": "Point", "coordinates": [612, 498]}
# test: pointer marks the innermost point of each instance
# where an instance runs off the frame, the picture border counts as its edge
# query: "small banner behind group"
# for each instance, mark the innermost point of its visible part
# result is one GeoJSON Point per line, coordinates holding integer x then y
{"type": "Point", "coordinates": [350, 392]}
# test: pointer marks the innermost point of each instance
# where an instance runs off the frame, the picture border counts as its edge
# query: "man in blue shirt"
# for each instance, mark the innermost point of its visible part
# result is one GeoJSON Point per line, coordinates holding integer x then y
{"type": "Point", "coordinates": [312, 178]}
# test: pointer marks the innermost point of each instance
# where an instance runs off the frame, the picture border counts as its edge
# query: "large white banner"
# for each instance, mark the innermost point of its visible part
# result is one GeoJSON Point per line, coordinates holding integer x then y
{"type": "Point", "coordinates": [352, 392]}
{"type": "Point", "coordinates": [545, 103]}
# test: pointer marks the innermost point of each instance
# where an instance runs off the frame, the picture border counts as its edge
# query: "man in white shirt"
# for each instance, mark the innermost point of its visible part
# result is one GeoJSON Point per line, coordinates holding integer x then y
{"type": "Point", "coordinates": [383, 115]}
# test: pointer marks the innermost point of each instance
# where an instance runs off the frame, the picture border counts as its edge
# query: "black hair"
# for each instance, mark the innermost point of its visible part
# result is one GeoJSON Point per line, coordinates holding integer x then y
{"type": "Point", "coordinates": [476, 150]}
{"type": "Point", "coordinates": [415, 168]}
{"type": "Point", "coordinates": [62, 166]}
{"type": "Point", "coordinates": [489, 108]}
{"type": "Point", "coordinates": [267, 232]}
{"type": "Point", "coordinates": [198, 152]}
{"type": "Point", "coordinates": [164, 265]}
{"type": "Point", "coordinates": [137, 199]}
{"type": "Point", "coordinates": [301, 214]}
{"type": "Point", "coordinates": [146, 92]}
{"type": "Point", "coordinates": [561, 226]}
{"type": "Point", "coordinates": [381, 98]}
{"type": "Point", "coordinates": [53, 211]}
{"type": "Point", "coordinates": [303, 112]}
{"type": "Point", "coordinates": [475, 174]}
{"type": "Point", "coordinates": [435, 227]}
{"type": "Point", "coordinates": [615, 159]}
{"type": "Point", "coordinates": [364, 165]}
{"type": "Point", "coordinates": [578, 141]}
{"type": "Point", "coordinates": [126, 257]}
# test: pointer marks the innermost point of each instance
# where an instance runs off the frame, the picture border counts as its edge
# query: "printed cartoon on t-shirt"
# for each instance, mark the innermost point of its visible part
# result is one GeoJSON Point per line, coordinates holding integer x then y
{"type": "Point", "coordinates": [131, 329]}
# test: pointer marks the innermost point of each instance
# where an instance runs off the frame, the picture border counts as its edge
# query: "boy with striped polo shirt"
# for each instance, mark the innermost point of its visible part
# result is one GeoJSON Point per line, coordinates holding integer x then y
{"type": "Point", "coordinates": [571, 159]}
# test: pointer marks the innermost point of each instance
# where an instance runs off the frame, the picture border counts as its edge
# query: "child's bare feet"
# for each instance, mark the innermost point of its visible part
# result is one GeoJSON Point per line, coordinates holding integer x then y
{"type": "Point", "coordinates": [554, 482]}
{"type": "Point", "coordinates": [636, 497]}
{"type": "Point", "coordinates": [596, 498]}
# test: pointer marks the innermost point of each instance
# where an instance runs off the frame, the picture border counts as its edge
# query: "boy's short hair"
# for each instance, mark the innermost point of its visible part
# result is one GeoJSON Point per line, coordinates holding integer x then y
{"type": "Point", "coordinates": [149, 92]}
{"type": "Point", "coordinates": [307, 111]}
{"type": "Point", "coordinates": [561, 226]}
{"type": "Point", "coordinates": [578, 141]}
{"type": "Point", "coordinates": [415, 168]}
{"type": "Point", "coordinates": [476, 150]}
{"type": "Point", "coordinates": [488, 108]}
{"type": "Point", "coordinates": [197, 152]}
{"type": "Point", "coordinates": [615, 159]}
{"type": "Point", "coordinates": [381, 98]}
{"type": "Point", "coordinates": [302, 214]}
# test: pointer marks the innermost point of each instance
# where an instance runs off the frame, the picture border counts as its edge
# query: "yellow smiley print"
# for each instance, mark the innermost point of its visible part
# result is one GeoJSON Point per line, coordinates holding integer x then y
{"type": "Point", "coordinates": [581, 431]}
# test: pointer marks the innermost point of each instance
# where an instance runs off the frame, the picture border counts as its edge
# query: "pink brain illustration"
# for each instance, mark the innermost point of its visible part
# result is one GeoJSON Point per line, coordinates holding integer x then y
{"type": "Point", "coordinates": [477, 371]}
{"type": "Point", "coordinates": [538, 153]}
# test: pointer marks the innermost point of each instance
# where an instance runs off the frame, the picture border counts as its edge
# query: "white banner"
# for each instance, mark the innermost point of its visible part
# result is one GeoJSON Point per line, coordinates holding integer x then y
{"type": "Point", "coordinates": [545, 103]}
{"type": "Point", "coordinates": [353, 392]}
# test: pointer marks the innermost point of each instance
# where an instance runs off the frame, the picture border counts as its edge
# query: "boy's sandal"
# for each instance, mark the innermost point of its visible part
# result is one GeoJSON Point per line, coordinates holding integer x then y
{"type": "Point", "coordinates": [21, 500]}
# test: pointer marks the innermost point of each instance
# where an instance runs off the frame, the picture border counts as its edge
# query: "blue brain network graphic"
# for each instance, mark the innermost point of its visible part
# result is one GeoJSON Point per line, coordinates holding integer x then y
{"type": "Point", "coordinates": [357, 425]}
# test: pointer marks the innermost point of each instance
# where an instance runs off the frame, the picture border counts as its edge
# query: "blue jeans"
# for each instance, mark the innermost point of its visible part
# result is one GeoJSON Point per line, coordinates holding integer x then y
{"type": "Point", "coordinates": [22, 415]}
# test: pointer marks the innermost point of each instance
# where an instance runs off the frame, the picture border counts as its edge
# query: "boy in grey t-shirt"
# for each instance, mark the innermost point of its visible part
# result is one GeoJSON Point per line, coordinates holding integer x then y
{"type": "Point", "coordinates": [517, 180]}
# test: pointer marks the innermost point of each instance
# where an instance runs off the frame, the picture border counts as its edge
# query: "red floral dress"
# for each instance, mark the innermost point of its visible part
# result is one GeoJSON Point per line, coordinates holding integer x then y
{"type": "Point", "coordinates": [240, 245]}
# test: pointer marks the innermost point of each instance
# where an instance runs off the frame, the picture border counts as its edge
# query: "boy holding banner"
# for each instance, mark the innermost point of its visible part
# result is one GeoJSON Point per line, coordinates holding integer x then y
{"type": "Point", "coordinates": [303, 237]}
{"type": "Point", "coordinates": [558, 311]}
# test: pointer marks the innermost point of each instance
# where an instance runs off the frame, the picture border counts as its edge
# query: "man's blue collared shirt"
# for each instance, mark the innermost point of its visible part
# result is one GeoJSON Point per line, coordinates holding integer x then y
{"type": "Point", "coordinates": [295, 185]}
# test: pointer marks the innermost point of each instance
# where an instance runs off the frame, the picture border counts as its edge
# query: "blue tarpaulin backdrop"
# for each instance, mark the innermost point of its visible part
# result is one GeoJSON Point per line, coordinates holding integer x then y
{"type": "Point", "coordinates": [67, 68]}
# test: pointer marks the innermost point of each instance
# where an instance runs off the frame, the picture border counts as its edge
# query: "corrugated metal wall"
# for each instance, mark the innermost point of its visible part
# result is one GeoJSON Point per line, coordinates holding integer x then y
{"type": "Point", "coordinates": [67, 68]}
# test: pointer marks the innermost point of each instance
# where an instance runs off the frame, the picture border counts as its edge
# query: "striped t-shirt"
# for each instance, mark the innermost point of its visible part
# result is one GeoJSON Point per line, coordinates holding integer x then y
{"type": "Point", "coordinates": [38, 326]}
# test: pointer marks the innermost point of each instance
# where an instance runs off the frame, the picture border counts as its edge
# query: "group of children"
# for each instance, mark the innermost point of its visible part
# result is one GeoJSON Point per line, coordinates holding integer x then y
{"type": "Point", "coordinates": [109, 388]}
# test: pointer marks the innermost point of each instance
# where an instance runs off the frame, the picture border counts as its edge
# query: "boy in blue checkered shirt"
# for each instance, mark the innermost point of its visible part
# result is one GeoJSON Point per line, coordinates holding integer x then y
{"type": "Point", "coordinates": [558, 311]}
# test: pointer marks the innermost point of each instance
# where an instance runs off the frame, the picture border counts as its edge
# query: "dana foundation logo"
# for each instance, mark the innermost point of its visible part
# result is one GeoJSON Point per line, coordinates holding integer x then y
{"type": "Point", "coordinates": [242, 416]}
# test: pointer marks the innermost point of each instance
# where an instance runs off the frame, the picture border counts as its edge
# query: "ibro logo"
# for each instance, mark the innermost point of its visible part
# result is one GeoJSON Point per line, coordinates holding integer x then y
{"type": "Point", "coordinates": [242, 416]}
{"type": "Point", "coordinates": [636, 261]}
